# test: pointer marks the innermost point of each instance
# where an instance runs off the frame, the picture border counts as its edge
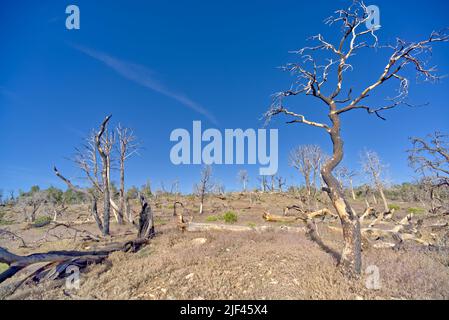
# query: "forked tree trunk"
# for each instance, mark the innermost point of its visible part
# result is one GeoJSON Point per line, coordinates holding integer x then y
{"type": "Point", "coordinates": [105, 177]}
{"type": "Point", "coordinates": [384, 199]}
{"type": "Point", "coordinates": [351, 258]}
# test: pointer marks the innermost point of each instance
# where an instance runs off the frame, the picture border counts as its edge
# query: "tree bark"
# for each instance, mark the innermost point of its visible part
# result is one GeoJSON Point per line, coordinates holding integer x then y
{"type": "Point", "coordinates": [351, 258]}
{"type": "Point", "coordinates": [121, 210]}
{"type": "Point", "coordinates": [105, 177]}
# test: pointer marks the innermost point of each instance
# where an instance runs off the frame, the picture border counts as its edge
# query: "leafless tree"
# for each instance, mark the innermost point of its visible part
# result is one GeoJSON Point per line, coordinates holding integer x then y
{"type": "Point", "coordinates": [127, 147]}
{"type": "Point", "coordinates": [243, 178]}
{"type": "Point", "coordinates": [281, 182]}
{"type": "Point", "coordinates": [104, 149]}
{"type": "Point", "coordinates": [88, 162]}
{"type": "Point", "coordinates": [307, 160]}
{"type": "Point", "coordinates": [346, 176]}
{"type": "Point", "coordinates": [430, 158]}
{"type": "Point", "coordinates": [311, 79]}
{"type": "Point", "coordinates": [373, 167]}
{"type": "Point", "coordinates": [204, 186]}
{"type": "Point", "coordinates": [263, 183]}
{"type": "Point", "coordinates": [30, 204]}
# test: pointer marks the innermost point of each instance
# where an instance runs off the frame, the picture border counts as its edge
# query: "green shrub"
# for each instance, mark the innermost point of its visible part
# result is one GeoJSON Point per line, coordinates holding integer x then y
{"type": "Point", "coordinates": [212, 218]}
{"type": "Point", "coordinates": [3, 267]}
{"type": "Point", "coordinates": [42, 221]}
{"type": "Point", "coordinates": [230, 217]}
{"type": "Point", "coordinates": [251, 224]}
{"type": "Point", "coordinates": [394, 207]}
{"type": "Point", "coordinates": [416, 210]}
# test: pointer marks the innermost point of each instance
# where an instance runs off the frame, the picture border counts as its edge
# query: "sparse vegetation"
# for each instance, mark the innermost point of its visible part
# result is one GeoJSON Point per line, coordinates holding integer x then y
{"type": "Point", "coordinates": [230, 217]}
{"type": "Point", "coordinates": [212, 218]}
{"type": "Point", "coordinates": [416, 210]}
{"type": "Point", "coordinates": [393, 206]}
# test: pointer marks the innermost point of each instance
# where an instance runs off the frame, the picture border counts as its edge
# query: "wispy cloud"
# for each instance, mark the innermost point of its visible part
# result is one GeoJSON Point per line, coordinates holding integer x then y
{"type": "Point", "coordinates": [144, 77]}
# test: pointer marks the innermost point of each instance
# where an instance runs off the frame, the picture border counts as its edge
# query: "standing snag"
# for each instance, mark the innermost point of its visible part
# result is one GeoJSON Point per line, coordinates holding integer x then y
{"type": "Point", "coordinates": [430, 158]}
{"type": "Point", "coordinates": [308, 160]}
{"type": "Point", "coordinates": [311, 79]}
{"type": "Point", "coordinates": [204, 186]}
{"type": "Point", "coordinates": [243, 179]}
{"type": "Point", "coordinates": [127, 147]}
{"type": "Point", "coordinates": [373, 167]}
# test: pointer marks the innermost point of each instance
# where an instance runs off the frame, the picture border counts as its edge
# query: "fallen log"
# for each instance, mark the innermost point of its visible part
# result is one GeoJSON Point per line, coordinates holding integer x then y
{"type": "Point", "coordinates": [202, 227]}
{"type": "Point", "coordinates": [59, 261]}
{"type": "Point", "coordinates": [302, 217]}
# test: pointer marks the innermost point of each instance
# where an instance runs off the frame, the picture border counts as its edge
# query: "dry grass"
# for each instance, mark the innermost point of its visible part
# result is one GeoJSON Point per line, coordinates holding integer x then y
{"type": "Point", "coordinates": [245, 265]}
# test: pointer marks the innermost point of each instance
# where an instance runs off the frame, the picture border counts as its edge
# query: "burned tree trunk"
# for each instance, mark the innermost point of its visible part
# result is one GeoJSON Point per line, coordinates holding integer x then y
{"type": "Point", "coordinates": [351, 257]}
{"type": "Point", "coordinates": [105, 176]}
{"type": "Point", "coordinates": [146, 221]}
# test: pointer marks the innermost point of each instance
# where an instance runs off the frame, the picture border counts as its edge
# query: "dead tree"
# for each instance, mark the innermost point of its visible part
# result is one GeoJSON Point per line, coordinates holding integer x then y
{"type": "Point", "coordinates": [263, 183]}
{"type": "Point", "coordinates": [243, 179]}
{"type": "Point", "coordinates": [105, 173]}
{"type": "Point", "coordinates": [90, 194]}
{"type": "Point", "coordinates": [127, 147]}
{"type": "Point", "coordinates": [313, 76]}
{"type": "Point", "coordinates": [351, 176]}
{"type": "Point", "coordinates": [31, 204]}
{"type": "Point", "coordinates": [307, 160]}
{"type": "Point", "coordinates": [204, 186]}
{"type": "Point", "coordinates": [87, 161]}
{"type": "Point", "coordinates": [281, 182]}
{"type": "Point", "coordinates": [373, 167]}
{"type": "Point", "coordinates": [86, 158]}
{"type": "Point", "coordinates": [344, 175]}
{"type": "Point", "coordinates": [430, 158]}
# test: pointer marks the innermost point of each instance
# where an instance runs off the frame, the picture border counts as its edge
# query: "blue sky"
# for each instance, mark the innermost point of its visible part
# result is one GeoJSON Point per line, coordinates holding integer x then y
{"type": "Point", "coordinates": [157, 66]}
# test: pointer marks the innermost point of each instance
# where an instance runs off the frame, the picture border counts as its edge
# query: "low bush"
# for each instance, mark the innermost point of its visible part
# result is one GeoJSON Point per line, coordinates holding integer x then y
{"type": "Point", "coordinates": [416, 210]}
{"type": "Point", "coordinates": [230, 217]}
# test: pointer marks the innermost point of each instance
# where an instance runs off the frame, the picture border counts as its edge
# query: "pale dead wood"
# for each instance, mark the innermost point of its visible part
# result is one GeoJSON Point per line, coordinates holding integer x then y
{"type": "Point", "coordinates": [203, 227]}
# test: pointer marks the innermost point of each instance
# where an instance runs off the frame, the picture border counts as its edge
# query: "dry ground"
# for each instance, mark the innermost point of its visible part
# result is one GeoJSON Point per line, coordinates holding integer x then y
{"type": "Point", "coordinates": [223, 265]}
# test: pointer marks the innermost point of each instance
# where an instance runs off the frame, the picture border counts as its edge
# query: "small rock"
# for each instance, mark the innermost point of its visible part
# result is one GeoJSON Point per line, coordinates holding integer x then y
{"type": "Point", "coordinates": [189, 276]}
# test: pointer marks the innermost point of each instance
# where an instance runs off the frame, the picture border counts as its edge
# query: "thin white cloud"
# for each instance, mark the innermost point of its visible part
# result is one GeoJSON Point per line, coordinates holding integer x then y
{"type": "Point", "coordinates": [144, 77]}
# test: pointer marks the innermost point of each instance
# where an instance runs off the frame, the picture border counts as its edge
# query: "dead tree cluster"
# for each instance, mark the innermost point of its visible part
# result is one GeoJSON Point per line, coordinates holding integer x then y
{"type": "Point", "coordinates": [430, 158]}
{"type": "Point", "coordinates": [307, 160]}
{"type": "Point", "coordinates": [312, 79]}
{"type": "Point", "coordinates": [373, 168]}
{"type": "Point", "coordinates": [96, 159]}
